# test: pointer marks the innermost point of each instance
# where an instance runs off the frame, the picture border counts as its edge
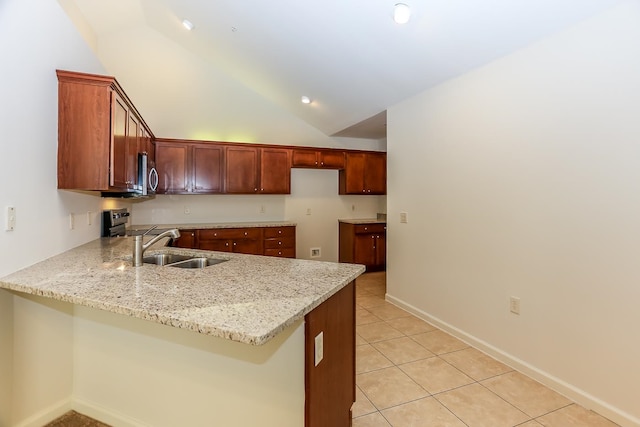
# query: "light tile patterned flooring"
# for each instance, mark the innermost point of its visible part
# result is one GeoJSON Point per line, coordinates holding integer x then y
{"type": "Point", "coordinates": [409, 373]}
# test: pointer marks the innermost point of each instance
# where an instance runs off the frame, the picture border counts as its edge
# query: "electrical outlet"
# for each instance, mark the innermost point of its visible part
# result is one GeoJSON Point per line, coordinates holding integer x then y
{"type": "Point", "coordinates": [308, 211]}
{"type": "Point", "coordinates": [263, 209]}
{"type": "Point", "coordinates": [319, 348]}
{"type": "Point", "coordinates": [11, 219]}
{"type": "Point", "coordinates": [353, 208]}
{"type": "Point", "coordinates": [514, 305]}
{"type": "Point", "coordinates": [315, 252]}
{"type": "Point", "coordinates": [187, 210]}
{"type": "Point", "coordinates": [89, 217]}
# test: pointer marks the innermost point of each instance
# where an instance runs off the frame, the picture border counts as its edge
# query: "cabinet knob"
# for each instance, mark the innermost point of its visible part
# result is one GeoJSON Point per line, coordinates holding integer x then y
{"type": "Point", "coordinates": [279, 243]}
{"type": "Point", "coordinates": [246, 234]}
{"type": "Point", "coordinates": [279, 252]}
{"type": "Point", "coordinates": [226, 244]}
{"type": "Point", "coordinates": [366, 228]}
{"type": "Point", "coordinates": [234, 243]}
{"type": "Point", "coordinates": [279, 231]}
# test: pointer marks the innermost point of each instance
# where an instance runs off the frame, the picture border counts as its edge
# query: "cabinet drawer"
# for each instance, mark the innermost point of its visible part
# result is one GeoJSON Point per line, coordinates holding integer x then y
{"type": "Point", "coordinates": [230, 233]}
{"type": "Point", "coordinates": [284, 253]}
{"type": "Point", "coordinates": [279, 243]}
{"type": "Point", "coordinates": [270, 232]}
{"type": "Point", "coordinates": [370, 228]}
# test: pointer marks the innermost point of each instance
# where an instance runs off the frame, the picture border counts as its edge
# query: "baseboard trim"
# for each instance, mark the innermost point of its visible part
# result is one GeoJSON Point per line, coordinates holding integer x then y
{"type": "Point", "coordinates": [48, 414]}
{"type": "Point", "coordinates": [104, 414]}
{"type": "Point", "coordinates": [568, 390]}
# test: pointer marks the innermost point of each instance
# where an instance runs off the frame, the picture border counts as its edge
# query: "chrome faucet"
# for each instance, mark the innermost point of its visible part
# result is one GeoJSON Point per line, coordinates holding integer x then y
{"type": "Point", "coordinates": [139, 247]}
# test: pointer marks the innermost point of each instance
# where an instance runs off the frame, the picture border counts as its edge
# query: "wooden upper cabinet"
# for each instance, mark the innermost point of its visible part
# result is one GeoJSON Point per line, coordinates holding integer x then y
{"type": "Point", "coordinates": [241, 164]}
{"type": "Point", "coordinates": [275, 171]}
{"type": "Point", "coordinates": [187, 168]}
{"type": "Point", "coordinates": [317, 158]}
{"type": "Point", "coordinates": [364, 173]}
{"type": "Point", "coordinates": [207, 168]}
{"type": "Point", "coordinates": [172, 165]}
{"type": "Point", "coordinates": [256, 170]}
{"type": "Point", "coordinates": [99, 133]}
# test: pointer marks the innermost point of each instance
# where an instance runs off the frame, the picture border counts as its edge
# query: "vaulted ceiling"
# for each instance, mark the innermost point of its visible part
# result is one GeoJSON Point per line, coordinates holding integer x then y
{"type": "Point", "coordinates": [348, 56]}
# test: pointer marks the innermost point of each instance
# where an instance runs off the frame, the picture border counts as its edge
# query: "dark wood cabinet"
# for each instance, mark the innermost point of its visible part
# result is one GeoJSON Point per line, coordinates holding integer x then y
{"type": "Point", "coordinates": [257, 170]}
{"type": "Point", "coordinates": [186, 240]}
{"type": "Point", "coordinates": [187, 168]}
{"type": "Point", "coordinates": [99, 132]}
{"type": "Point", "coordinates": [280, 241]}
{"type": "Point", "coordinates": [317, 158]}
{"type": "Point", "coordinates": [364, 173]}
{"type": "Point", "coordinates": [239, 240]}
{"type": "Point", "coordinates": [363, 244]}
{"type": "Point", "coordinates": [330, 384]}
{"type": "Point", "coordinates": [269, 241]}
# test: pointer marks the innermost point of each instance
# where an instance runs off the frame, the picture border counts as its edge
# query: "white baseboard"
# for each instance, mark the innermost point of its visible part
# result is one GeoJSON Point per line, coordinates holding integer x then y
{"type": "Point", "coordinates": [577, 395]}
{"type": "Point", "coordinates": [105, 415]}
{"type": "Point", "coordinates": [47, 414]}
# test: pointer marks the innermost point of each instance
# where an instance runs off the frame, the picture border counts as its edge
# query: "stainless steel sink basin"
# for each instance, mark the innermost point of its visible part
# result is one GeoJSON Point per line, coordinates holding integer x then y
{"type": "Point", "coordinates": [181, 261]}
{"type": "Point", "coordinates": [164, 259]}
{"type": "Point", "coordinates": [197, 262]}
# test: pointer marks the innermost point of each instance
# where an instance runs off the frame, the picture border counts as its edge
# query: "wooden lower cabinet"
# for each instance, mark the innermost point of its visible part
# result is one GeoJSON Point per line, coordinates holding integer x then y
{"type": "Point", "coordinates": [269, 241]}
{"type": "Point", "coordinates": [363, 244]}
{"type": "Point", "coordinates": [330, 385]}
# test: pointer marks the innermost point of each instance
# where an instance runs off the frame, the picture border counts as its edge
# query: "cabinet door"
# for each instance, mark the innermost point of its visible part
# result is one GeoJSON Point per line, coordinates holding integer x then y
{"type": "Point", "coordinates": [133, 148]}
{"type": "Point", "coordinates": [247, 246]}
{"type": "Point", "coordinates": [304, 158]}
{"type": "Point", "coordinates": [171, 163]}
{"type": "Point", "coordinates": [331, 159]}
{"type": "Point", "coordinates": [118, 162]}
{"type": "Point", "coordinates": [275, 171]}
{"type": "Point", "coordinates": [187, 240]}
{"type": "Point", "coordinates": [381, 251]}
{"type": "Point", "coordinates": [365, 249]}
{"type": "Point", "coordinates": [207, 168]}
{"type": "Point", "coordinates": [375, 174]}
{"type": "Point", "coordinates": [241, 170]}
{"type": "Point", "coordinates": [352, 177]}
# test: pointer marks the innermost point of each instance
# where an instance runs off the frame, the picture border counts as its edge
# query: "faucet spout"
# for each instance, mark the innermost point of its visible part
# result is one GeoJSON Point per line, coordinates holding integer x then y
{"type": "Point", "coordinates": [139, 247]}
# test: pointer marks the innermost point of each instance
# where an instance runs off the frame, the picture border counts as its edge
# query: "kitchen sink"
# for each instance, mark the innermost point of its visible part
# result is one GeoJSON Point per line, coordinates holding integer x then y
{"type": "Point", "coordinates": [164, 259]}
{"type": "Point", "coordinates": [181, 261]}
{"type": "Point", "coordinates": [198, 262]}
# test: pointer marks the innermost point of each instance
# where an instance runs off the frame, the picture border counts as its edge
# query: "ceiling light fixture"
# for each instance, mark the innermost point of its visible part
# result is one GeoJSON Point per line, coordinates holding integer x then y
{"type": "Point", "coordinates": [401, 13]}
{"type": "Point", "coordinates": [187, 24]}
{"type": "Point", "coordinates": [305, 100]}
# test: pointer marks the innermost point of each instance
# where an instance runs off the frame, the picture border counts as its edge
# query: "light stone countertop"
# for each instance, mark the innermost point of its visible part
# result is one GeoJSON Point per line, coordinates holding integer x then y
{"type": "Point", "coordinates": [363, 221]}
{"type": "Point", "coordinates": [248, 298]}
{"type": "Point", "coordinates": [207, 225]}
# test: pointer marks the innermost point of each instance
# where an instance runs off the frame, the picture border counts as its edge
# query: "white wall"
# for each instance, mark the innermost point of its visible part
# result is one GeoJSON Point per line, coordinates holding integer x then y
{"type": "Point", "coordinates": [522, 178]}
{"type": "Point", "coordinates": [32, 46]}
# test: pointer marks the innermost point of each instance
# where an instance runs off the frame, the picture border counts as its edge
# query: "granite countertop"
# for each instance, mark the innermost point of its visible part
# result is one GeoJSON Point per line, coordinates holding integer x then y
{"type": "Point", "coordinates": [363, 221]}
{"type": "Point", "coordinates": [248, 298]}
{"type": "Point", "coordinates": [194, 226]}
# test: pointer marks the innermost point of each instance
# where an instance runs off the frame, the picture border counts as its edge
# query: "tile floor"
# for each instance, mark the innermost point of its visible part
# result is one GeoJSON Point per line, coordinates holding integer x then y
{"type": "Point", "coordinates": [409, 373]}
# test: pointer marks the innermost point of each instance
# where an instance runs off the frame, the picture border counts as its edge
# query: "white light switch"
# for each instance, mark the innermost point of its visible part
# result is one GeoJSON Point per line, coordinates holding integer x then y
{"type": "Point", "coordinates": [403, 217]}
{"type": "Point", "coordinates": [319, 347]}
{"type": "Point", "coordinates": [11, 219]}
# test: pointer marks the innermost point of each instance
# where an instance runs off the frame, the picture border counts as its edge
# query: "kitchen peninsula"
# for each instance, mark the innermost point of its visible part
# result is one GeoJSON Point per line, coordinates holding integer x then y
{"type": "Point", "coordinates": [234, 343]}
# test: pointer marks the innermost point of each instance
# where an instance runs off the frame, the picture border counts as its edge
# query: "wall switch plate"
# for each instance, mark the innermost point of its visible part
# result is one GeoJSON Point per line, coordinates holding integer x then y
{"type": "Point", "coordinates": [72, 221]}
{"type": "Point", "coordinates": [11, 219]}
{"type": "Point", "coordinates": [403, 217]}
{"type": "Point", "coordinates": [319, 348]}
{"type": "Point", "coordinates": [514, 305]}
{"type": "Point", "coordinates": [263, 209]}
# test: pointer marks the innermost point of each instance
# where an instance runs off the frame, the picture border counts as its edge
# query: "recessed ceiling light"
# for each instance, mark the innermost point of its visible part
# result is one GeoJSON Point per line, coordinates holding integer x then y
{"type": "Point", "coordinates": [187, 24]}
{"type": "Point", "coordinates": [305, 100]}
{"type": "Point", "coordinates": [401, 13]}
